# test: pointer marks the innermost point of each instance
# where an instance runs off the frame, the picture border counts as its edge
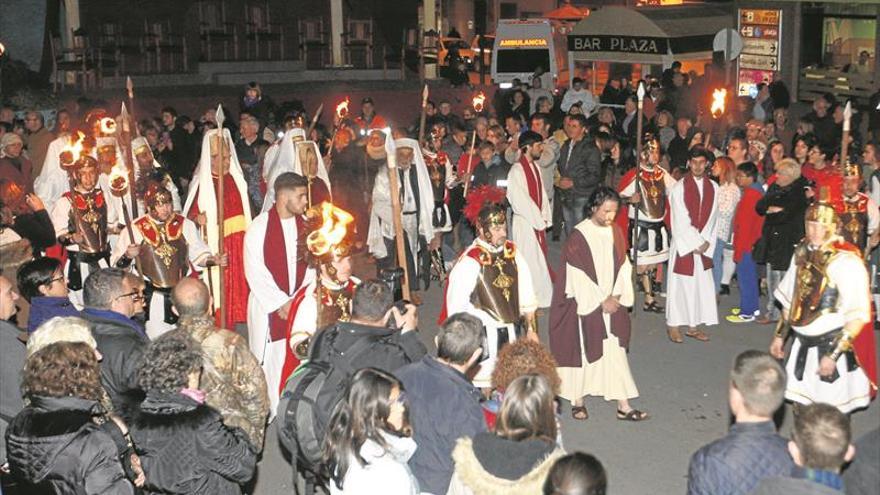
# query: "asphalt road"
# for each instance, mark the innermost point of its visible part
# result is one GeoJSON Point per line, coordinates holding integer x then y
{"type": "Point", "coordinates": [682, 386]}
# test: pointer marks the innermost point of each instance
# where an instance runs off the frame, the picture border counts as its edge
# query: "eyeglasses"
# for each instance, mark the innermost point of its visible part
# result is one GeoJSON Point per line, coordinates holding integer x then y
{"type": "Point", "coordinates": [59, 278]}
{"type": "Point", "coordinates": [135, 296]}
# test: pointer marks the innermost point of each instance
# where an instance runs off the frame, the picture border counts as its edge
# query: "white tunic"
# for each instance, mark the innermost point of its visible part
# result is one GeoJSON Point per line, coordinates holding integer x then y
{"type": "Point", "coordinates": [527, 218]}
{"type": "Point", "coordinates": [851, 390]}
{"type": "Point", "coordinates": [690, 300]}
{"type": "Point", "coordinates": [463, 280]}
{"type": "Point", "coordinates": [197, 252]}
{"type": "Point", "coordinates": [266, 297]}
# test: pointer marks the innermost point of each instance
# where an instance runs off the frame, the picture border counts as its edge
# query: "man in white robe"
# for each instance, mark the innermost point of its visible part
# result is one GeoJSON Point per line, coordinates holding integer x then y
{"type": "Point", "coordinates": [531, 214]}
{"type": "Point", "coordinates": [690, 291]}
{"type": "Point", "coordinates": [285, 156]}
{"type": "Point", "coordinates": [275, 267]}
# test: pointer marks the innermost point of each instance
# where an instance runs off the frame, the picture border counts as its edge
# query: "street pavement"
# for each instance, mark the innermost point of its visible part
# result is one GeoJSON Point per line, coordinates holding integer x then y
{"type": "Point", "coordinates": [683, 387]}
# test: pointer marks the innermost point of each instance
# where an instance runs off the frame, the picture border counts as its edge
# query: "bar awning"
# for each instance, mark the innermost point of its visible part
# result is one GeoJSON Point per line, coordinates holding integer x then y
{"type": "Point", "coordinates": [648, 35]}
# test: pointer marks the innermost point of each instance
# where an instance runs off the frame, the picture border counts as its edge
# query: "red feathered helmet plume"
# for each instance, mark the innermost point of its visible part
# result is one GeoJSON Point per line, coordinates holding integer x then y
{"type": "Point", "coordinates": [484, 207]}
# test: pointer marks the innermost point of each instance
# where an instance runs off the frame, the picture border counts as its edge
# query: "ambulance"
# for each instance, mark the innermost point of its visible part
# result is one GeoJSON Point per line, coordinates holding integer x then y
{"type": "Point", "coordinates": [521, 47]}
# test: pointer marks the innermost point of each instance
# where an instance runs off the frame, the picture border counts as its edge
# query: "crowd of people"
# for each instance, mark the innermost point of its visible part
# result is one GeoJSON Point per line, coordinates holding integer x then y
{"type": "Point", "coordinates": [135, 255]}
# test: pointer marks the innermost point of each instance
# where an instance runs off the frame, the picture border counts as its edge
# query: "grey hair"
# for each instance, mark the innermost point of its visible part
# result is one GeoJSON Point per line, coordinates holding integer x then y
{"type": "Point", "coordinates": [788, 167]}
{"type": "Point", "coordinates": [103, 286]}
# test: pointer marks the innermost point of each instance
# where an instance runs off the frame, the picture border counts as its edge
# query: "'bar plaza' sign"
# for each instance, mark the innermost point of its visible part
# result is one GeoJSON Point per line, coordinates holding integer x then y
{"type": "Point", "coordinates": [614, 43]}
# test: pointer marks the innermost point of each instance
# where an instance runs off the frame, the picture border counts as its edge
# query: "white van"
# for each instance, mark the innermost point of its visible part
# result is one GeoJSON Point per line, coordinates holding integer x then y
{"type": "Point", "coordinates": [521, 46]}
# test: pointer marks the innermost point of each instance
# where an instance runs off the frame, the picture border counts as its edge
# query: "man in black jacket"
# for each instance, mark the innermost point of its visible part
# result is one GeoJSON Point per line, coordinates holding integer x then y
{"type": "Point", "coordinates": [580, 170]}
{"type": "Point", "coordinates": [112, 296]}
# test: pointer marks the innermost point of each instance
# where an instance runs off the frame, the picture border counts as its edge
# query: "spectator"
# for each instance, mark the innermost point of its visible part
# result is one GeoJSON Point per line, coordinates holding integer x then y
{"type": "Point", "coordinates": [662, 128]}
{"type": "Point", "coordinates": [12, 351]}
{"type": "Point", "coordinates": [14, 165]}
{"type": "Point", "coordinates": [521, 451]}
{"type": "Point", "coordinates": [728, 196]}
{"type": "Point", "coordinates": [668, 74]}
{"type": "Point", "coordinates": [630, 120]}
{"type": "Point", "coordinates": [518, 106]}
{"type": "Point", "coordinates": [751, 451]}
{"type": "Point", "coordinates": [173, 146]}
{"type": "Point", "coordinates": [738, 150]}
{"type": "Point", "coordinates": [820, 446]}
{"type": "Point", "coordinates": [369, 119]}
{"type": "Point", "coordinates": [38, 139]}
{"type": "Point", "coordinates": [232, 379]}
{"type": "Point", "coordinates": [763, 108]}
{"type": "Point", "coordinates": [679, 146]}
{"type": "Point", "coordinates": [54, 444]}
{"type": "Point", "coordinates": [255, 103]}
{"type": "Point", "coordinates": [250, 150]}
{"type": "Point", "coordinates": [783, 208]}
{"type": "Point", "coordinates": [521, 357]}
{"type": "Point", "coordinates": [368, 441]}
{"type": "Point", "coordinates": [782, 128]}
{"type": "Point", "coordinates": [112, 296]}
{"type": "Point", "coordinates": [184, 446]}
{"type": "Point", "coordinates": [747, 225]}
{"type": "Point", "coordinates": [7, 114]}
{"type": "Point", "coordinates": [823, 123]}
{"type": "Point", "coordinates": [613, 93]}
{"type": "Point", "coordinates": [862, 477]}
{"type": "Point", "coordinates": [580, 168]}
{"type": "Point", "coordinates": [443, 404]}
{"type": "Point", "coordinates": [536, 92]}
{"type": "Point", "coordinates": [43, 285]}
{"type": "Point", "coordinates": [492, 169]}
{"type": "Point", "coordinates": [801, 148]}
{"type": "Point", "coordinates": [576, 474]}
{"type": "Point", "coordinates": [779, 92]}
{"type": "Point", "coordinates": [775, 154]}
{"type": "Point", "coordinates": [578, 94]}
{"type": "Point", "coordinates": [25, 216]}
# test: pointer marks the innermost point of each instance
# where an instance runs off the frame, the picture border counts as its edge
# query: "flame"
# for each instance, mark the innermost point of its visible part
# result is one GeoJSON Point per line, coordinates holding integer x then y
{"type": "Point", "coordinates": [108, 125]}
{"type": "Point", "coordinates": [718, 98]}
{"type": "Point", "coordinates": [118, 180]}
{"type": "Point", "coordinates": [72, 150]}
{"type": "Point", "coordinates": [342, 108]}
{"type": "Point", "coordinates": [478, 101]}
{"type": "Point", "coordinates": [332, 231]}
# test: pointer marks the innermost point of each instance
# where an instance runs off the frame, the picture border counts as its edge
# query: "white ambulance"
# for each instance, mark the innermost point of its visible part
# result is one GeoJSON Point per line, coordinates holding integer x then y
{"type": "Point", "coordinates": [522, 47]}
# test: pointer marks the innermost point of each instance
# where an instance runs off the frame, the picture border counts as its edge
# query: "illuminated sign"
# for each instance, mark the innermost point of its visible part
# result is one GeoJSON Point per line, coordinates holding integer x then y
{"type": "Point", "coordinates": [626, 44]}
{"type": "Point", "coordinates": [660, 2]}
{"type": "Point", "coordinates": [760, 57]}
{"type": "Point", "coordinates": [528, 43]}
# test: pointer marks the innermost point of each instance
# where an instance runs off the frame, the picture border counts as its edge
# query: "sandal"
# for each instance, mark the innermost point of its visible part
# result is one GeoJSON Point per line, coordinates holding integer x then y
{"type": "Point", "coordinates": [653, 307]}
{"type": "Point", "coordinates": [632, 415]}
{"type": "Point", "coordinates": [698, 334]}
{"type": "Point", "coordinates": [579, 413]}
{"type": "Point", "coordinates": [674, 335]}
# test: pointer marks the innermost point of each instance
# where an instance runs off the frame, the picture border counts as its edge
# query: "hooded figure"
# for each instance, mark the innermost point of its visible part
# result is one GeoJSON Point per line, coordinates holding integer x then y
{"type": "Point", "coordinates": [287, 157]}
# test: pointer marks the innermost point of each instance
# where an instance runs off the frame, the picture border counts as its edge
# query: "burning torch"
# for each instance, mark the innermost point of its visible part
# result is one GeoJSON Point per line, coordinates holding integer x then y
{"type": "Point", "coordinates": [119, 185]}
{"type": "Point", "coordinates": [341, 114]}
{"type": "Point", "coordinates": [477, 102]}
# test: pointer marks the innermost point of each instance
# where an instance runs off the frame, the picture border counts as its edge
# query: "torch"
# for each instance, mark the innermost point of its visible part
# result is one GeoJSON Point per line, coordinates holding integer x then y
{"type": "Point", "coordinates": [844, 140]}
{"type": "Point", "coordinates": [341, 113]}
{"type": "Point", "coordinates": [119, 185]}
{"type": "Point", "coordinates": [719, 97]}
{"type": "Point", "coordinates": [70, 160]}
{"type": "Point", "coordinates": [477, 103]}
{"type": "Point", "coordinates": [640, 94]}
{"type": "Point", "coordinates": [124, 137]}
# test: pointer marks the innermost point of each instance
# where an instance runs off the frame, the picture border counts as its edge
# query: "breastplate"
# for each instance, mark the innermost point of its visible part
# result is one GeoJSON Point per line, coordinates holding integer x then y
{"type": "Point", "coordinates": [854, 224]}
{"type": "Point", "coordinates": [653, 191]}
{"type": "Point", "coordinates": [164, 252]}
{"type": "Point", "coordinates": [334, 305]}
{"type": "Point", "coordinates": [814, 293]}
{"type": "Point", "coordinates": [497, 292]}
{"type": "Point", "coordinates": [90, 220]}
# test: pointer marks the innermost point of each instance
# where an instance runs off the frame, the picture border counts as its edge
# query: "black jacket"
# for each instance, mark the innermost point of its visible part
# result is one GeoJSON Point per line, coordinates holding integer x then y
{"type": "Point", "coordinates": [389, 349]}
{"type": "Point", "coordinates": [37, 228]}
{"type": "Point", "coordinates": [55, 447]}
{"type": "Point", "coordinates": [121, 347]}
{"type": "Point", "coordinates": [185, 447]}
{"type": "Point", "coordinates": [783, 230]}
{"type": "Point", "coordinates": [584, 167]}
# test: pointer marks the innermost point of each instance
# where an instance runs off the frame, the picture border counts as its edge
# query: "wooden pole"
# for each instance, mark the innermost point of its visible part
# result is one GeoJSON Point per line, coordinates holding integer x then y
{"type": "Point", "coordinates": [396, 214]}
{"type": "Point", "coordinates": [314, 121]}
{"type": "Point", "coordinates": [224, 164]}
{"type": "Point", "coordinates": [422, 117]}
{"type": "Point", "coordinates": [129, 86]}
{"type": "Point", "coordinates": [844, 140]}
{"type": "Point", "coordinates": [470, 164]}
{"type": "Point", "coordinates": [124, 137]}
{"type": "Point", "coordinates": [635, 241]}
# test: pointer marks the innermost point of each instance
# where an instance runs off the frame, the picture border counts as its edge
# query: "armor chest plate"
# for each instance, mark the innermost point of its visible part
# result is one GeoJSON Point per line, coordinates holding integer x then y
{"type": "Point", "coordinates": [437, 174]}
{"type": "Point", "coordinates": [653, 190]}
{"type": "Point", "coordinates": [334, 305]}
{"type": "Point", "coordinates": [854, 223]}
{"type": "Point", "coordinates": [497, 290]}
{"type": "Point", "coordinates": [814, 294]}
{"type": "Point", "coordinates": [164, 252]}
{"type": "Point", "coordinates": [90, 220]}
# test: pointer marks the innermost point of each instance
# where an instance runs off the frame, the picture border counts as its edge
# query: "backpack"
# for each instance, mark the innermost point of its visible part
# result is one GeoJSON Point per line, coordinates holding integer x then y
{"type": "Point", "coordinates": [312, 392]}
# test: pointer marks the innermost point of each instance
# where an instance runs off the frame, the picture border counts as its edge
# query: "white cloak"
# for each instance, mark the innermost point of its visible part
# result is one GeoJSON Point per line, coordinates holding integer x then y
{"type": "Point", "coordinates": [527, 218]}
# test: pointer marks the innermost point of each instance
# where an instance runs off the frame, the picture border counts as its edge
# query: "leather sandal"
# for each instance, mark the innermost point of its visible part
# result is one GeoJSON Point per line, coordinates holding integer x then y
{"type": "Point", "coordinates": [674, 335]}
{"type": "Point", "coordinates": [697, 334]}
{"type": "Point", "coordinates": [579, 413]}
{"type": "Point", "coordinates": [632, 415]}
{"type": "Point", "coordinates": [653, 307]}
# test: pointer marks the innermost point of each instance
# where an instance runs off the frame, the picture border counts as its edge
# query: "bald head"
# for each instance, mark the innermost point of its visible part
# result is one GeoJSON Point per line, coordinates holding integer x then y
{"type": "Point", "coordinates": [191, 297]}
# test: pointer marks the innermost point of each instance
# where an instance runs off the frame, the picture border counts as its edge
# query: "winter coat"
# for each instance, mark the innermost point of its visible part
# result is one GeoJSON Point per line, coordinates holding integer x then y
{"type": "Point", "coordinates": [13, 353]}
{"type": "Point", "coordinates": [583, 166]}
{"type": "Point", "coordinates": [443, 407]}
{"type": "Point", "coordinates": [185, 448]}
{"type": "Point", "coordinates": [385, 468]}
{"type": "Point", "coordinates": [55, 447]}
{"type": "Point", "coordinates": [747, 224]}
{"type": "Point", "coordinates": [121, 346]}
{"type": "Point", "coordinates": [736, 463]}
{"type": "Point", "coordinates": [492, 465]}
{"type": "Point", "coordinates": [44, 308]}
{"type": "Point", "coordinates": [862, 477]}
{"type": "Point", "coordinates": [783, 230]}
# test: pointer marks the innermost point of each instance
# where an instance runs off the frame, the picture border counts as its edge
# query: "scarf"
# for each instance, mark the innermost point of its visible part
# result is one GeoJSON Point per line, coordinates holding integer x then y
{"type": "Point", "coordinates": [536, 192]}
{"type": "Point", "coordinates": [699, 210]}
{"type": "Point", "coordinates": [278, 265]}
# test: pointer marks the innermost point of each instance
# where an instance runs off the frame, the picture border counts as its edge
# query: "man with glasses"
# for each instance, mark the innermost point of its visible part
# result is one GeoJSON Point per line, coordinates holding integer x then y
{"type": "Point", "coordinates": [112, 296]}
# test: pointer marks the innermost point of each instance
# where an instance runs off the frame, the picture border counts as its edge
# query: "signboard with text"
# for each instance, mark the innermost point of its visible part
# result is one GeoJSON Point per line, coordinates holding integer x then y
{"type": "Point", "coordinates": [761, 30]}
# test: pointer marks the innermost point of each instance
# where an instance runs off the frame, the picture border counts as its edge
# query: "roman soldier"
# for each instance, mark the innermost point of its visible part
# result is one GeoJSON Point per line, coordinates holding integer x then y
{"type": "Point", "coordinates": [327, 298]}
{"type": "Point", "coordinates": [166, 245]}
{"type": "Point", "coordinates": [149, 171]}
{"type": "Point", "coordinates": [491, 281]}
{"type": "Point", "coordinates": [826, 302]}
{"type": "Point", "coordinates": [859, 214]}
{"type": "Point", "coordinates": [83, 222]}
{"type": "Point", "coordinates": [649, 233]}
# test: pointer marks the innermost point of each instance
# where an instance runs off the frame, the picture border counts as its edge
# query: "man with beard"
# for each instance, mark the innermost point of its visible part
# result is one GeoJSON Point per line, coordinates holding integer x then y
{"type": "Point", "coordinates": [531, 213]}
{"type": "Point", "coordinates": [491, 280]}
{"type": "Point", "coordinates": [165, 244]}
{"type": "Point", "coordinates": [859, 214]}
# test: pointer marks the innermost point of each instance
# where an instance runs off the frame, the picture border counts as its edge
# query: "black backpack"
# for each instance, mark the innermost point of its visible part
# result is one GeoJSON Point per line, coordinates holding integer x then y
{"type": "Point", "coordinates": [312, 392]}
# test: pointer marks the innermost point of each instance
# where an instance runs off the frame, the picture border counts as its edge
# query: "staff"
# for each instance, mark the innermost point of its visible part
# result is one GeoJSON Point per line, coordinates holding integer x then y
{"type": "Point", "coordinates": [129, 87]}
{"type": "Point", "coordinates": [477, 102]}
{"type": "Point", "coordinates": [394, 190]}
{"type": "Point", "coordinates": [220, 146]}
{"type": "Point", "coordinates": [844, 140]}
{"type": "Point", "coordinates": [314, 121]}
{"type": "Point", "coordinates": [640, 93]}
{"type": "Point", "coordinates": [124, 138]}
{"type": "Point", "coordinates": [422, 117]}
{"type": "Point", "coordinates": [341, 113]}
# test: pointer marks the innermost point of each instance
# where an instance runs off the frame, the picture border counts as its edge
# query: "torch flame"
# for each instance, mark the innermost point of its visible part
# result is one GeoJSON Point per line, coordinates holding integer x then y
{"type": "Point", "coordinates": [478, 101]}
{"type": "Point", "coordinates": [118, 180]}
{"type": "Point", "coordinates": [72, 150]}
{"type": "Point", "coordinates": [332, 231]}
{"type": "Point", "coordinates": [342, 108]}
{"type": "Point", "coordinates": [718, 98]}
{"type": "Point", "coordinates": [108, 125]}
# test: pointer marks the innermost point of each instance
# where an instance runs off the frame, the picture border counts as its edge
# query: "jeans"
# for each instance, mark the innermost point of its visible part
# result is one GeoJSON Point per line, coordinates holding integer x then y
{"type": "Point", "coordinates": [573, 213]}
{"type": "Point", "coordinates": [774, 277]}
{"type": "Point", "coordinates": [749, 292]}
{"type": "Point", "coordinates": [722, 264]}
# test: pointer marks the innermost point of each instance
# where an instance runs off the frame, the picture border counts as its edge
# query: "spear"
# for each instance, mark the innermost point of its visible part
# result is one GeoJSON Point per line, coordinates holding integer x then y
{"type": "Point", "coordinates": [222, 148]}
{"type": "Point", "coordinates": [394, 190]}
{"type": "Point", "coordinates": [423, 116]}
{"type": "Point", "coordinates": [640, 93]}
{"type": "Point", "coordinates": [129, 87]}
{"type": "Point", "coordinates": [124, 138]}
{"type": "Point", "coordinates": [844, 140]}
{"type": "Point", "coordinates": [314, 121]}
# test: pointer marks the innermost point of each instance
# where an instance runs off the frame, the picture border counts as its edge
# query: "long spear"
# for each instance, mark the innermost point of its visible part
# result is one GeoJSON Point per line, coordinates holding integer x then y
{"type": "Point", "coordinates": [844, 140]}
{"type": "Point", "coordinates": [222, 148]}
{"type": "Point", "coordinates": [124, 138]}
{"type": "Point", "coordinates": [640, 93]}
{"type": "Point", "coordinates": [394, 190]}
{"type": "Point", "coordinates": [129, 87]}
{"type": "Point", "coordinates": [423, 116]}
{"type": "Point", "coordinates": [314, 121]}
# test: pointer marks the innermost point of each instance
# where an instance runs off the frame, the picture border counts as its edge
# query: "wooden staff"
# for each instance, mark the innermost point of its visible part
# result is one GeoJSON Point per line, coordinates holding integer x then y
{"type": "Point", "coordinates": [222, 148]}
{"type": "Point", "coordinates": [314, 121]}
{"type": "Point", "coordinates": [120, 192]}
{"type": "Point", "coordinates": [396, 213]}
{"type": "Point", "coordinates": [123, 132]}
{"type": "Point", "coordinates": [423, 116]}
{"type": "Point", "coordinates": [467, 178]}
{"type": "Point", "coordinates": [635, 241]}
{"type": "Point", "coordinates": [129, 87]}
{"type": "Point", "coordinates": [844, 140]}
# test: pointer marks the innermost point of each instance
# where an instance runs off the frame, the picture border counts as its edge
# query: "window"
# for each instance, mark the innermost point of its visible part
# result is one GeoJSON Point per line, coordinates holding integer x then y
{"type": "Point", "coordinates": [522, 61]}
